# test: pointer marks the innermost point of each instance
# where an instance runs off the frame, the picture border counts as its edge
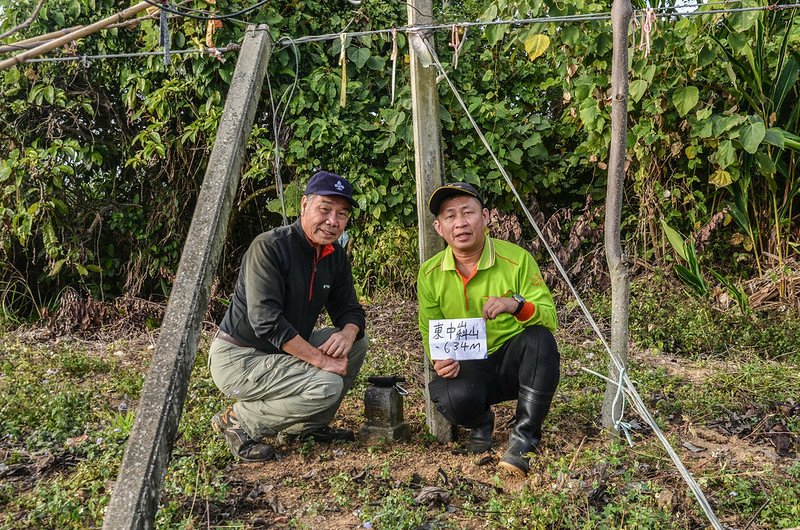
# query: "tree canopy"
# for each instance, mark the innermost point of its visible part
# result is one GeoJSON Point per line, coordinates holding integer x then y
{"type": "Point", "coordinates": [101, 159]}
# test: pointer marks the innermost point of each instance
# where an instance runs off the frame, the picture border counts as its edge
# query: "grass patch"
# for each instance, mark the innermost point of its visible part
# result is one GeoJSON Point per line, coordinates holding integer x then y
{"type": "Point", "coordinates": [66, 411]}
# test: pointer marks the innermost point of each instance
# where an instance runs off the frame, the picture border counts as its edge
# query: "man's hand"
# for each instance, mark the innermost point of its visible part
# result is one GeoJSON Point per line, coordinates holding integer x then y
{"type": "Point", "coordinates": [447, 368]}
{"type": "Point", "coordinates": [495, 305]}
{"type": "Point", "coordinates": [304, 351]}
{"type": "Point", "coordinates": [337, 365]}
{"type": "Point", "coordinates": [340, 343]}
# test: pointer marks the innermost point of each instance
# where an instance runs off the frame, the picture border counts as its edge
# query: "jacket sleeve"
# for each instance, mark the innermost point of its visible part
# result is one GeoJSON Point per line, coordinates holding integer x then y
{"type": "Point", "coordinates": [429, 308]}
{"type": "Point", "coordinates": [342, 304]}
{"type": "Point", "coordinates": [265, 288]}
{"type": "Point", "coordinates": [533, 288]}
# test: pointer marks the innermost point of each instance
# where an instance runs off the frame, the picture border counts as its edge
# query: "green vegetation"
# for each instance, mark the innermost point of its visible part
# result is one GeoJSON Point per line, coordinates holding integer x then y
{"type": "Point", "coordinates": [100, 166]}
{"type": "Point", "coordinates": [67, 408]}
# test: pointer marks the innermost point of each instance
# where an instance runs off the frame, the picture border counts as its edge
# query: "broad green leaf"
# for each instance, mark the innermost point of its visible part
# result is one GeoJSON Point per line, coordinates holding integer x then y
{"type": "Point", "coordinates": [743, 20]}
{"type": "Point", "coordinates": [74, 9]}
{"type": "Point", "coordinates": [675, 239]}
{"type": "Point", "coordinates": [490, 13]}
{"type": "Point", "coordinates": [765, 164]}
{"type": "Point", "coordinates": [706, 57]}
{"type": "Point", "coordinates": [786, 80]}
{"type": "Point", "coordinates": [359, 56]}
{"type": "Point", "coordinates": [495, 33]}
{"type": "Point", "coordinates": [720, 178]}
{"type": "Point", "coordinates": [726, 123]}
{"type": "Point", "coordinates": [589, 112]}
{"type": "Point", "coordinates": [703, 113]}
{"type": "Point", "coordinates": [81, 269]}
{"type": "Point", "coordinates": [685, 99]}
{"type": "Point", "coordinates": [56, 267]}
{"type": "Point", "coordinates": [534, 139]}
{"type": "Point", "coordinates": [12, 76]}
{"type": "Point", "coordinates": [536, 45]}
{"type": "Point", "coordinates": [704, 129]}
{"type": "Point", "coordinates": [774, 136]}
{"type": "Point", "coordinates": [570, 34]}
{"type": "Point", "coordinates": [691, 279]}
{"type": "Point", "coordinates": [738, 42]}
{"type": "Point", "coordinates": [648, 73]}
{"type": "Point", "coordinates": [376, 63]}
{"type": "Point", "coordinates": [637, 89]}
{"type": "Point", "coordinates": [751, 136]}
{"type": "Point", "coordinates": [725, 154]}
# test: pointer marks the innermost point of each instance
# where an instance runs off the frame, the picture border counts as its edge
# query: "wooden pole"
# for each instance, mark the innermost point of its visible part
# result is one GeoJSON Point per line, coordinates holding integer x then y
{"type": "Point", "coordinates": [429, 170]}
{"type": "Point", "coordinates": [75, 35]}
{"type": "Point", "coordinates": [134, 499]}
{"type": "Point", "coordinates": [621, 12]}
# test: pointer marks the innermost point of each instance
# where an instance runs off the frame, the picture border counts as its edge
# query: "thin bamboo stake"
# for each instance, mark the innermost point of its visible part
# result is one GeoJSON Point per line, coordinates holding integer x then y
{"type": "Point", "coordinates": [83, 32]}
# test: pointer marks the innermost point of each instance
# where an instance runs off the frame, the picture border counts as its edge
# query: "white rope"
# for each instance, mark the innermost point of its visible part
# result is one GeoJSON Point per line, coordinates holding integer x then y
{"type": "Point", "coordinates": [624, 383]}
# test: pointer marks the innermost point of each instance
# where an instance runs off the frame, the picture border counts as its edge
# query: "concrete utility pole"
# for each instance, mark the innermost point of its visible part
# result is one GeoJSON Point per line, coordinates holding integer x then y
{"type": "Point", "coordinates": [134, 500]}
{"type": "Point", "coordinates": [621, 12]}
{"type": "Point", "coordinates": [429, 169]}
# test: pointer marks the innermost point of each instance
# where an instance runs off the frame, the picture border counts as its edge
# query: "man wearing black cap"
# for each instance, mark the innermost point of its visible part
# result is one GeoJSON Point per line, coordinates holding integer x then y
{"type": "Point", "coordinates": [285, 376]}
{"type": "Point", "coordinates": [481, 277]}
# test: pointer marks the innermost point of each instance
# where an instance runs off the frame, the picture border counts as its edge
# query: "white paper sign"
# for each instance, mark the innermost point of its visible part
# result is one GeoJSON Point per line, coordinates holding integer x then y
{"type": "Point", "coordinates": [461, 339]}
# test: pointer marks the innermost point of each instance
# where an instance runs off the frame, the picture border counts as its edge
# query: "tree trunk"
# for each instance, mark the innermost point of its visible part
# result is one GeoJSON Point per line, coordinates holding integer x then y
{"type": "Point", "coordinates": [621, 12]}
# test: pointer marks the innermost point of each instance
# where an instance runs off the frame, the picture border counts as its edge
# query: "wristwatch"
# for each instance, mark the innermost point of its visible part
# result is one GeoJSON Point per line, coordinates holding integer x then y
{"type": "Point", "coordinates": [520, 300]}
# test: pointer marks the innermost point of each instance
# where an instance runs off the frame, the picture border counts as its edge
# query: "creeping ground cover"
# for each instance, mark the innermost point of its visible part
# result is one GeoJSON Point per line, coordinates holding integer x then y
{"type": "Point", "coordinates": [67, 406]}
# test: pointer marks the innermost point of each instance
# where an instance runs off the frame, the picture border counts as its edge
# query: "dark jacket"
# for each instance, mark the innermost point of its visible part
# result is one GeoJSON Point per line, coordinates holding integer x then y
{"type": "Point", "coordinates": [282, 289]}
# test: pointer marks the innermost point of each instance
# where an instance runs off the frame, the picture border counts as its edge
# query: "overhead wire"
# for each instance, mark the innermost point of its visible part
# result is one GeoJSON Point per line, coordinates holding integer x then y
{"type": "Point", "coordinates": [205, 15]}
{"type": "Point", "coordinates": [288, 41]}
{"type": "Point", "coordinates": [212, 52]}
{"type": "Point", "coordinates": [277, 125]}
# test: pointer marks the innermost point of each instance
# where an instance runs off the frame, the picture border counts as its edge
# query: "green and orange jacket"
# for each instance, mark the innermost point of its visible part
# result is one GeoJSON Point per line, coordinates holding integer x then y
{"type": "Point", "coordinates": [504, 269]}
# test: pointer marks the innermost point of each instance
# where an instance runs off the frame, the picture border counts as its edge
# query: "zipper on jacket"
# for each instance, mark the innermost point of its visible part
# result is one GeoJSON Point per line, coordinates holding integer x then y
{"type": "Point", "coordinates": [313, 273]}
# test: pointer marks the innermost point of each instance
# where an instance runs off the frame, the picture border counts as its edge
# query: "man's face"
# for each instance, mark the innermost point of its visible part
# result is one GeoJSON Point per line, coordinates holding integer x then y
{"type": "Point", "coordinates": [461, 221]}
{"type": "Point", "coordinates": [323, 217]}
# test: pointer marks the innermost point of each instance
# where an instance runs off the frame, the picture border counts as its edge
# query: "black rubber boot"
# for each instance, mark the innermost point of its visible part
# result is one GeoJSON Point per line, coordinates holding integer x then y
{"type": "Point", "coordinates": [532, 408]}
{"type": "Point", "coordinates": [480, 437]}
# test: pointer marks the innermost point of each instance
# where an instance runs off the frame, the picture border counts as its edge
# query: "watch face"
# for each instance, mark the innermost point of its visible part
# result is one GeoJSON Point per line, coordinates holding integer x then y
{"type": "Point", "coordinates": [518, 298]}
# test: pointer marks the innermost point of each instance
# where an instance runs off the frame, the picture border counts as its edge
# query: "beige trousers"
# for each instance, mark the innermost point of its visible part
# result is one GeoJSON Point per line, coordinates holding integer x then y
{"type": "Point", "coordinates": [276, 392]}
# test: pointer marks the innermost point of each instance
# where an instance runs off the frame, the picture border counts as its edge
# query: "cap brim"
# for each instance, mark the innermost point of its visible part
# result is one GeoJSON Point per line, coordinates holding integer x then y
{"type": "Point", "coordinates": [442, 194]}
{"type": "Point", "coordinates": [349, 199]}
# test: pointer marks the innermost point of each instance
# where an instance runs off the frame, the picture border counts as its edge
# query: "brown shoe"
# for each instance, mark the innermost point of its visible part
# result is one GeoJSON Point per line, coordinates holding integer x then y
{"type": "Point", "coordinates": [239, 442]}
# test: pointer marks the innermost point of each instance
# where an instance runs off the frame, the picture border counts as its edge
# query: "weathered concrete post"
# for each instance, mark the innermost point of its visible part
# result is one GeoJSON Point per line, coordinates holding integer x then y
{"type": "Point", "coordinates": [429, 168]}
{"type": "Point", "coordinates": [134, 500]}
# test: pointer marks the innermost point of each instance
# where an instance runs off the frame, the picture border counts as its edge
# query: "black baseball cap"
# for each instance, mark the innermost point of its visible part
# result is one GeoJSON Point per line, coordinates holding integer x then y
{"type": "Point", "coordinates": [443, 193]}
{"type": "Point", "coordinates": [327, 183]}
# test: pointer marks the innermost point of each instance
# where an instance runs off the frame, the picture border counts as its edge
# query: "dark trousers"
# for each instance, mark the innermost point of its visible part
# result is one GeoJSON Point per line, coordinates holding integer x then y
{"type": "Point", "coordinates": [530, 360]}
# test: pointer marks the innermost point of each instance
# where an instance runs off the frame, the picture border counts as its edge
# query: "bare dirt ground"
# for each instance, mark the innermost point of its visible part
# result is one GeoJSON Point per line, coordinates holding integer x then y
{"type": "Point", "coordinates": [297, 489]}
{"type": "Point", "coordinates": [312, 485]}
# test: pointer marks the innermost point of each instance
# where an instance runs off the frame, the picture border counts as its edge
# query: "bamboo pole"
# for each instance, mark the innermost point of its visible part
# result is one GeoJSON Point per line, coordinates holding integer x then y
{"type": "Point", "coordinates": [83, 32]}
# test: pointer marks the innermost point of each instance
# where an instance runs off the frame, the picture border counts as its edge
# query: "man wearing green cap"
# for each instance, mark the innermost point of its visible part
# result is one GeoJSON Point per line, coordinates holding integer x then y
{"type": "Point", "coordinates": [481, 277]}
